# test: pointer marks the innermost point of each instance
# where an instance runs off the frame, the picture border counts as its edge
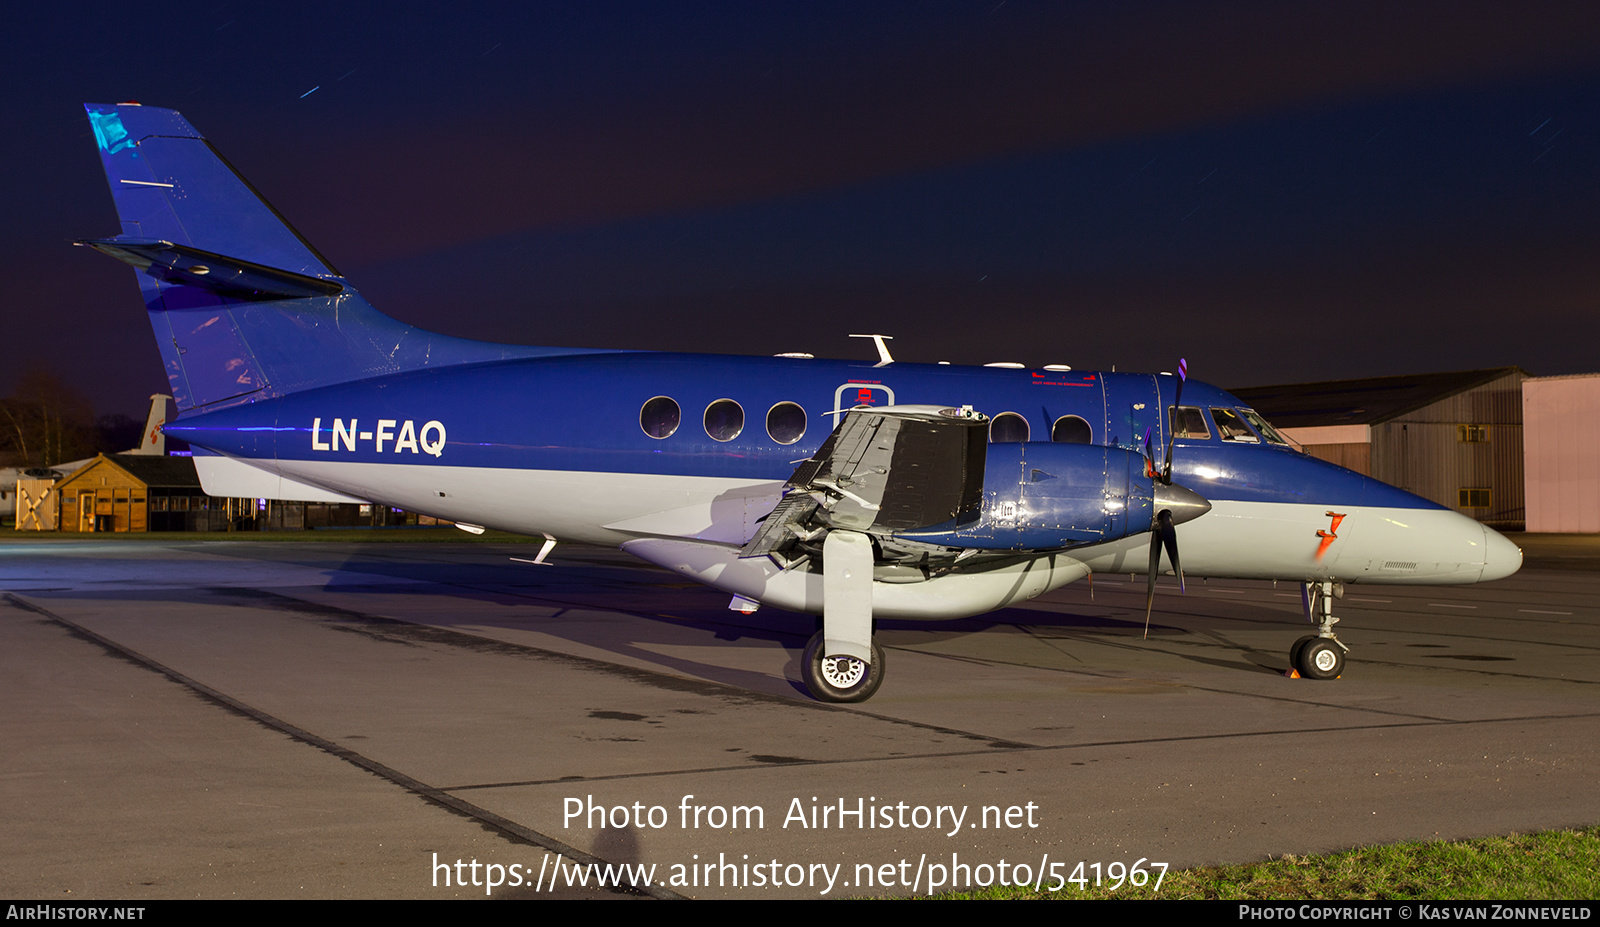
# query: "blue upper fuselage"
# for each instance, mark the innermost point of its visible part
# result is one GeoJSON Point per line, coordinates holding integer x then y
{"type": "Point", "coordinates": [582, 412]}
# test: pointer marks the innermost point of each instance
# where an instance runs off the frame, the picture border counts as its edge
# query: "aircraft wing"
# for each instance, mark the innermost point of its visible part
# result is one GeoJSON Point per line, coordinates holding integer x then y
{"type": "Point", "coordinates": [883, 470]}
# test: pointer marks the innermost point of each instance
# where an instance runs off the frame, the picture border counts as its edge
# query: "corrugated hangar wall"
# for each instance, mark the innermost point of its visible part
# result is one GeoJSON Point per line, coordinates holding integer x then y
{"type": "Point", "coordinates": [1562, 420]}
{"type": "Point", "coordinates": [1464, 452]}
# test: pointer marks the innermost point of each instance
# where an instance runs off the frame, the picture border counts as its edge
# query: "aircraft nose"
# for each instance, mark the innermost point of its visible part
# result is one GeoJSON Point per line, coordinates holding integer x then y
{"type": "Point", "coordinates": [1501, 558]}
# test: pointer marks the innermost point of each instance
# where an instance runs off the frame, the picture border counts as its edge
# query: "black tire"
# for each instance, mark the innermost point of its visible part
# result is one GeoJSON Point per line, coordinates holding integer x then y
{"type": "Point", "coordinates": [1295, 651]}
{"type": "Point", "coordinates": [840, 679]}
{"type": "Point", "coordinates": [1321, 659]}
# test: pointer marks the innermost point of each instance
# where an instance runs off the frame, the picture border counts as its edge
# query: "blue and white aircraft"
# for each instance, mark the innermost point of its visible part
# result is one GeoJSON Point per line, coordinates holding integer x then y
{"type": "Point", "coordinates": [927, 491]}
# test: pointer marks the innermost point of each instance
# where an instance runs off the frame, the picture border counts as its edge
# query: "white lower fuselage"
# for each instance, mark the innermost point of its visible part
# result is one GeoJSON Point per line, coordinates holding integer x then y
{"type": "Point", "coordinates": [696, 525]}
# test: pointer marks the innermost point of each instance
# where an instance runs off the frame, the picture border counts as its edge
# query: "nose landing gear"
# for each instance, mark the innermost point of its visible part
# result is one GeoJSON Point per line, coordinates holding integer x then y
{"type": "Point", "coordinates": [1319, 655]}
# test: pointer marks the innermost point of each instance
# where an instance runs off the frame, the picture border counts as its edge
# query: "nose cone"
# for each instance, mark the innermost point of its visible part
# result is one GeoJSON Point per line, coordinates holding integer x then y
{"type": "Point", "coordinates": [1501, 558]}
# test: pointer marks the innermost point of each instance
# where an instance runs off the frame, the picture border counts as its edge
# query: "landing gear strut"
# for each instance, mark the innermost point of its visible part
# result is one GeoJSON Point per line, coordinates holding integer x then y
{"type": "Point", "coordinates": [841, 678]}
{"type": "Point", "coordinates": [1319, 655]}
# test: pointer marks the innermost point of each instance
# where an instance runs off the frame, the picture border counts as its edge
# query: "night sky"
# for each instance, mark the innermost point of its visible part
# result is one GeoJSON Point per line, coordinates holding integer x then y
{"type": "Point", "coordinates": [1278, 191]}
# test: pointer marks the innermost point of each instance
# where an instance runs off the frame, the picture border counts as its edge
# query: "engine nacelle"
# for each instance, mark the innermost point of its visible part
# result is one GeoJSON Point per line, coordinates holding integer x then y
{"type": "Point", "coordinates": [1040, 496]}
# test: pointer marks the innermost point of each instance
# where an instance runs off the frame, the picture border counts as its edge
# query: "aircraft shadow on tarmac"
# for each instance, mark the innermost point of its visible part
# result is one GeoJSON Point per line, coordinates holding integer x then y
{"type": "Point", "coordinates": [578, 601]}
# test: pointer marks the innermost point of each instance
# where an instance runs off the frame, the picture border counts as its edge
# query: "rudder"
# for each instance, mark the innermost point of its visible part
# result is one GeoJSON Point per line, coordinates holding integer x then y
{"type": "Point", "coordinates": [242, 307]}
{"type": "Point", "coordinates": [169, 184]}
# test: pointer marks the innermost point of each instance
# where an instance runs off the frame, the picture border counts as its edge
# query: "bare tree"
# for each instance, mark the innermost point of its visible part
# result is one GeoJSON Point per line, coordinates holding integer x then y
{"type": "Point", "coordinates": [45, 421]}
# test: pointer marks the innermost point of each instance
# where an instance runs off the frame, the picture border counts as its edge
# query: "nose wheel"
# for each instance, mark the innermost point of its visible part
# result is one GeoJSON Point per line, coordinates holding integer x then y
{"type": "Point", "coordinates": [1318, 658]}
{"type": "Point", "coordinates": [838, 678]}
{"type": "Point", "coordinates": [1319, 655]}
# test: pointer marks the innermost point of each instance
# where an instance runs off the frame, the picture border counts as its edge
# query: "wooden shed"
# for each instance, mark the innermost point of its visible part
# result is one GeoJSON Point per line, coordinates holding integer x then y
{"type": "Point", "coordinates": [129, 492]}
{"type": "Point", "coordinates": [36, 502]}
{"type": "Point", "coordinates": [1454, 438]}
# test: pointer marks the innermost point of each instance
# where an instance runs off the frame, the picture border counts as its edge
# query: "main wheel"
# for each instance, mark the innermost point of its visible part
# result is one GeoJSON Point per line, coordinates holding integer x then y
{"type": "Point", "coordinates": [1321, 659]}
{"type": "Point", "coordinates": [840, 679]}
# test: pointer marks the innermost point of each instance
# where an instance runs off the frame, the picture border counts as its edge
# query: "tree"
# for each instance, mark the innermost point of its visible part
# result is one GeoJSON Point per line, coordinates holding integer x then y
{"type": "Point", "coordinates": [45, 422]}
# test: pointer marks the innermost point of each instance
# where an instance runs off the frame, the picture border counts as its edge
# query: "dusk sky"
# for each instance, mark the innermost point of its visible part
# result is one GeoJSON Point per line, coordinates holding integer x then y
{"type": "Point", "coordinates": [1280, 192]}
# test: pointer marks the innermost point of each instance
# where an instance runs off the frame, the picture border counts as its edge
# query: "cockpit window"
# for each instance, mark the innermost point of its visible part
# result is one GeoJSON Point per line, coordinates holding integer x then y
{"type": "Point", "coordinates": [1188, 422]}
{"type": "Point", "coordinates": [1261, 426]}
{"type": "Point", "coordinates": [1231, 427]}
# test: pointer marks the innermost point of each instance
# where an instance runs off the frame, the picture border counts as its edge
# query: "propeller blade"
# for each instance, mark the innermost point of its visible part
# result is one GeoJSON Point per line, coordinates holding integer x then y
{"type": "Point", "coordinates": [1150, 586]}
{"type": "Point", "coordinates": [1164, 534]}
{"type": "Point", "coordinates": [1177, 397]}
{"type": "Point", "coordinates": [1169, 539]}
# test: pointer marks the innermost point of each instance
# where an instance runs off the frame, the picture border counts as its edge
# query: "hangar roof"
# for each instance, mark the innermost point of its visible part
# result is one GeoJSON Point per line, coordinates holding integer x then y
{"type": "Point", "coordinates": [1371, 401]}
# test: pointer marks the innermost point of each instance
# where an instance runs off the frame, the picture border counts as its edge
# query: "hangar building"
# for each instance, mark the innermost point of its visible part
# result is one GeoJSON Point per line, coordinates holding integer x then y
{"type": "Point", "coordinates": [1454, 438]}
{"type": "Point", "coordinates": [1562, 418]}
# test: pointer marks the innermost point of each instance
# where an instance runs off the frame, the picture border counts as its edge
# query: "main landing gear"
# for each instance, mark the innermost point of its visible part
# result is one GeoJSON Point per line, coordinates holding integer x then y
{"type": "Point", "coordinates": [841, 678]}
{"type": "Point", "coordinates": [1319, 655]}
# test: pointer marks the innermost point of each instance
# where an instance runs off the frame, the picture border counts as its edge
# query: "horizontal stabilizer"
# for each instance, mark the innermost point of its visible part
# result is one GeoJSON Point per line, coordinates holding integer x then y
{"type": "Point", "coordinates": [227, 477]}
{"type": "Point", "coordinates": [226, 276]}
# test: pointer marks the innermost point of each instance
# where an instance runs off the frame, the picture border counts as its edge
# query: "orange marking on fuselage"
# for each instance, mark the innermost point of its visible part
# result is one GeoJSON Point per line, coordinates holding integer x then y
{"type": "Point", "coordinates": [1329, 536]}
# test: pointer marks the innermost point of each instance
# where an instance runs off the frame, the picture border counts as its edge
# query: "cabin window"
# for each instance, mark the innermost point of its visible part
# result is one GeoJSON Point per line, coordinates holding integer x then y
{"type": "Point", "coordinates": [1188, 422]}
{"type": "Point", "coordinates": [1008, 428]}
{"type": "Point", "coordinates": [1071, 429]}
{"type": "Point", "coordinates": [660, 416]}
{"type": "Point", "coordinates": [786, 423]}
{"type": "Point", "coordinates": [1231, 427]}
{"type": "Point", "coordinates": [1263, 428]}
{"type": "Point", "coordinates": [724, 420]}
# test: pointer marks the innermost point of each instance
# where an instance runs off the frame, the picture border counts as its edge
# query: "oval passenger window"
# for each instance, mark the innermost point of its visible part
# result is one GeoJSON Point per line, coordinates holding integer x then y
{"type": "Point", "coordinates": [724, 420]}
{"type": "Point", "coordinates": [659, 417]}
{"type": "Point", "coordinates": [786, 423]}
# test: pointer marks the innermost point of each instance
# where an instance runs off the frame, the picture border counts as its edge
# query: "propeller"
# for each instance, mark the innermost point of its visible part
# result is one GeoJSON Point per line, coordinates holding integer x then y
{"type": "Point", "coordinates": [1177, 397]}
{"type": "Point", "coordinates": [1169, 499]}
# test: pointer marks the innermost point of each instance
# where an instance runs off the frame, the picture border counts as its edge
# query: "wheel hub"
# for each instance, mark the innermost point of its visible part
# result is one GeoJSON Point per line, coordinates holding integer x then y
{"type": "Point", "coordinates": [843, 672]}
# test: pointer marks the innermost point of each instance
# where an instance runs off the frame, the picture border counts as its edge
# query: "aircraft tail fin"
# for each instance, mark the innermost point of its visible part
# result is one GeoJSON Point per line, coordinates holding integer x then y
{"type": "Point", "coordinates": [242, 306]}
{"type": "Point", "coordinates": [170, 185]}
{"type": "Point", "coordinates": [154, 441]}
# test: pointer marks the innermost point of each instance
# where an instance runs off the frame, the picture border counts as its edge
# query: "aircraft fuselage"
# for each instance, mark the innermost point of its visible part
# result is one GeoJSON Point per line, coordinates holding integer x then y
{"type": "Point", "coordinates": [556, 445]}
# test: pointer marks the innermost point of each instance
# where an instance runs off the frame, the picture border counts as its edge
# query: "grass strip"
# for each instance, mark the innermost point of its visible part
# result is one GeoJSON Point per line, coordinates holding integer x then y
{"type": "Point", "coordinates": [1551, 865]}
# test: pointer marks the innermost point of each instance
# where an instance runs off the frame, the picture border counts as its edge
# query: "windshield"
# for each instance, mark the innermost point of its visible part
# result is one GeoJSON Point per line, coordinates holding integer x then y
{"type": "Point", "coordinates": [1266, 430]}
